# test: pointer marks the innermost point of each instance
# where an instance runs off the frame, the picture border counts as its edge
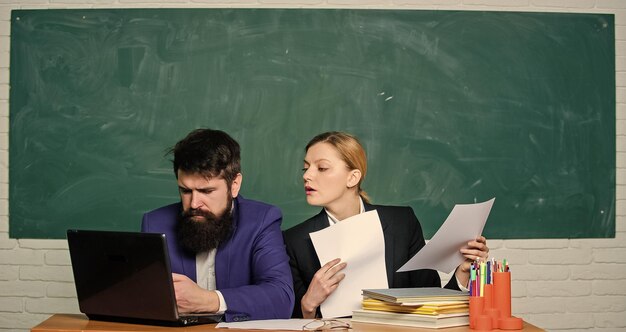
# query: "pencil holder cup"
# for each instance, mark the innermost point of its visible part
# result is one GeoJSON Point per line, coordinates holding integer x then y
{"type": "Point", "coordinates": [502, 293]}
{"type": "Point", "coordinates": [488, 295]}
{"type": "Point", "coordinates": [488, 307]}
{"type": "Point", "coordinates": [502, 302]}
{"type": "Point", "coordinates": [510, 323]}
{"type": "Point", "coordinates": [483, 323]}
{"type": "Point", "coordinates": [476, 304]}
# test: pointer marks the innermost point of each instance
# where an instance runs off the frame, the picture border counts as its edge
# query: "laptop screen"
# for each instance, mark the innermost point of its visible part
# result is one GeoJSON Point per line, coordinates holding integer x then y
{"type": "Point", "coordinates": [122, 274]}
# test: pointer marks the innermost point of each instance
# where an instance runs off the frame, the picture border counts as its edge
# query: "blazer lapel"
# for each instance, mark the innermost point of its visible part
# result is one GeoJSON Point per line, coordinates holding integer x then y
{"type": "Point", "coordinates": [320, 222]}
{"type": "Point", "coordinates": [222, 261]}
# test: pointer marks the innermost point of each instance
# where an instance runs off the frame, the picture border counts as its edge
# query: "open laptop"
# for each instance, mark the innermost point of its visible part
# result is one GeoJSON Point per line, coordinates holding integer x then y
{"type": "Point", "coordinates": [126, 276]}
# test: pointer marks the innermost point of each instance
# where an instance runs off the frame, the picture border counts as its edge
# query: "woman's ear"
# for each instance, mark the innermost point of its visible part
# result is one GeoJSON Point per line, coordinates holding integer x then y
{"type": "Point", "coordinates": [354, 177]}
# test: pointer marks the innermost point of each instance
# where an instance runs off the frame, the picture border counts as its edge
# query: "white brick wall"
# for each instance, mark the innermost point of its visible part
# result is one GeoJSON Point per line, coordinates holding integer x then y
{"type": "Point", "coordinates": [559, 284]}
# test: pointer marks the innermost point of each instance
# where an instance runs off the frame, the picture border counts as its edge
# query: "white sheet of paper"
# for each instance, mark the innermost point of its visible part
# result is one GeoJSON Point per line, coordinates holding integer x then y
{"type": "Point", "coordinates": [268, 324]}
{"type": "Point", "coordinates": [359, 241]}
{"type": "Point", "coordinates": [465, 223]}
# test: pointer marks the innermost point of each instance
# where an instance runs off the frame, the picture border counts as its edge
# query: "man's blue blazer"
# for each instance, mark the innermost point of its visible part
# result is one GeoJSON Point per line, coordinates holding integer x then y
{"type": "Point", "coordinates": [251, 267]}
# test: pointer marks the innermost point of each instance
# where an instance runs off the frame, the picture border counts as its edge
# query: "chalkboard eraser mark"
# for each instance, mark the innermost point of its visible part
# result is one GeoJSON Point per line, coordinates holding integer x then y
{"type": "Point", "coordinates": [128, 62]}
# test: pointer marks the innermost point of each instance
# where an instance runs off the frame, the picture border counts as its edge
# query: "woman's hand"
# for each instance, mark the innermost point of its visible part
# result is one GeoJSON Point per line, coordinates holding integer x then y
{"type": "Point", "coordinates": [324, 283]}
{"type": "Point", "coordinates": [475, 250]}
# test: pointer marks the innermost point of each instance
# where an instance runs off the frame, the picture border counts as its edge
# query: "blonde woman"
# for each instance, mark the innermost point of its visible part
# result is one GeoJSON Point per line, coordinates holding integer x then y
{"type": "Point", "coordinates": [335, 165]}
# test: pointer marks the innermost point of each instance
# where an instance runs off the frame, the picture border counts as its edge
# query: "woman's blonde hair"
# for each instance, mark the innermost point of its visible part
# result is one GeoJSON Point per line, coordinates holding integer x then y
{"type": "Point", "coordinates": [351, 152]}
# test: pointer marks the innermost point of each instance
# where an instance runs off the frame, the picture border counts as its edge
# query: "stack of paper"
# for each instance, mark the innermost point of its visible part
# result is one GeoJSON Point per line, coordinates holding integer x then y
{"type": "Point", "coordinates": [426, 321]}
{"type": "Point", "coordinates": [413, 295]}
{"type": "Point", "coordinates": [424, 308]}
{"type": "Point", "coordinates": [418, 307]}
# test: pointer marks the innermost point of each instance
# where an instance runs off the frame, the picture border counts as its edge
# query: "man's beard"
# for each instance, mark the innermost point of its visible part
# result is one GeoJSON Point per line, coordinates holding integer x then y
{"type": "Point", "coordinates": [197, 236]}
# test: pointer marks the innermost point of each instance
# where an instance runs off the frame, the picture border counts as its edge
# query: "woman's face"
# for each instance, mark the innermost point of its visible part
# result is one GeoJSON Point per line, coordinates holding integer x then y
{"type": "Point", "coordinates": [326, 176]}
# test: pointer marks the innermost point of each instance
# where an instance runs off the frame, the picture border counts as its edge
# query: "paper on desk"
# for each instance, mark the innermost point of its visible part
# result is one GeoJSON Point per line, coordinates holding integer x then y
{"type": "Point", "coordinates": [465, 223]}
{"type": "Point", "coordinates": [268, 324]}
{"type": "Point", "coordinates": [359, 241]}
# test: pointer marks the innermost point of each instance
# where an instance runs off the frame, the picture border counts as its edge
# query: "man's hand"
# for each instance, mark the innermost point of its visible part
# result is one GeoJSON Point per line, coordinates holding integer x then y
{"type": "Point", "coordinates": [191, 298]}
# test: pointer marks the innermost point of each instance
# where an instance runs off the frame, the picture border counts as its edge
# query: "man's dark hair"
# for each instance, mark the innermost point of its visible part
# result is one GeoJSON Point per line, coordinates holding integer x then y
{"type": "Point", "coordinates": [209, 152]}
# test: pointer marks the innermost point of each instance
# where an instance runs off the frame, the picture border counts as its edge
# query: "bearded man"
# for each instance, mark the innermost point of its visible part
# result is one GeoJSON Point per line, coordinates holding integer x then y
{"type": "Point", "coordinates": [227, 253]}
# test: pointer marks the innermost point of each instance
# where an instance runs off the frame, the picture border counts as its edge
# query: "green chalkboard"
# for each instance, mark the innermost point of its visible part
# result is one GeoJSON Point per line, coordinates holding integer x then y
{"type": "Point", "coordinates": [452, 107]}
